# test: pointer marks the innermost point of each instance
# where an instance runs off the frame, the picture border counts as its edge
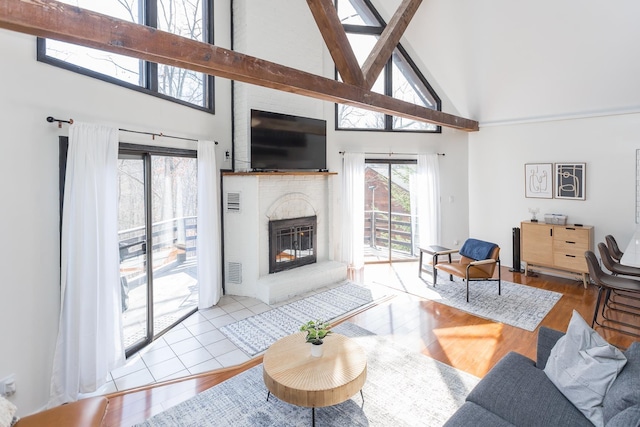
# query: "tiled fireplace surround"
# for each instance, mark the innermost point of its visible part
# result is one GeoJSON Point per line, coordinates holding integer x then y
{"type": "Point", "coordinates": [251, 200]}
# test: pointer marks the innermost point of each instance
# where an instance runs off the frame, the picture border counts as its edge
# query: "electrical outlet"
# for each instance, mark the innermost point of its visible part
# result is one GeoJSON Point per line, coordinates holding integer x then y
{"type": "Point", "coordinates": [8, 385]}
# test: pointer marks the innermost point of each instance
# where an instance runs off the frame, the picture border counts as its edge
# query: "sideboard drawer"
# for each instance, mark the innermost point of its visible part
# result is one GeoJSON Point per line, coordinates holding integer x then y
{"type": "Point", "coordinates": [571, 261]}
{"type": "Point", "coordinates": [567, 246]}
{"type": "Point", "coordinates": [572, 234]}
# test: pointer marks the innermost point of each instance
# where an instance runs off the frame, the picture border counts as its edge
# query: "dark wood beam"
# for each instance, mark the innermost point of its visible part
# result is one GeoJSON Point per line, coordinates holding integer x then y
{"type": "Point", "coordinates": [59, 21]}
{"type": "Point", "coordinates": [326, 17]}
{"type": "Point", "coordinates": [388, 41]}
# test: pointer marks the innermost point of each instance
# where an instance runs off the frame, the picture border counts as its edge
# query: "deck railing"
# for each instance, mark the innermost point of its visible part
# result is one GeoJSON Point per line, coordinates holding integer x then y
{"type": "Point", "coordinates": [173, 239]}
{"type": "Point", "coordinates": [380, 232]}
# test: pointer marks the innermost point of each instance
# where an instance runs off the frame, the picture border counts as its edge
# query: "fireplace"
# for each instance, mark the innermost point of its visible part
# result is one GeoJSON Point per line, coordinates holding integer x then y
{"type": "Point", "coordinates": [292, 243]}
{"type": "Point", "coordinates": [257, 203]}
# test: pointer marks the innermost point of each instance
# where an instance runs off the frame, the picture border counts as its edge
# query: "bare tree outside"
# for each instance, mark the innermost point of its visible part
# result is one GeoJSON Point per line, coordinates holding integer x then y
{"type": "Point", "coordinates": [184, 18]}
{"type": "Point", "coordinates": [164, 251]}
{"type": "Point", "coordinates": [181, 17]}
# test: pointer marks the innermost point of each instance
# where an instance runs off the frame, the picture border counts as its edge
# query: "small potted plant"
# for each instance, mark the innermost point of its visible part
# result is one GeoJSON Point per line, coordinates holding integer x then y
{"type": "Point", "coordinates": [316, 331]}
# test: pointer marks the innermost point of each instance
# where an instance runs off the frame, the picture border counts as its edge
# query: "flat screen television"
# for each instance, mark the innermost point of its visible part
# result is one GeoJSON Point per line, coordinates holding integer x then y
{"type": "Point", "coordinates": [284, 142]}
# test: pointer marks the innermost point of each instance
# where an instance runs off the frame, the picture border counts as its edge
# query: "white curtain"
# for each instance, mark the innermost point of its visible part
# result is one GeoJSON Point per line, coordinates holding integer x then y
{"type": "Point", "coordinates": [353, 210]}
{"type": "Point", "coordinates": [429, 199]}
{"type": "Point", "coordinates": [90, 342]}
{"type": "Point", "coordinates": [208, 241]}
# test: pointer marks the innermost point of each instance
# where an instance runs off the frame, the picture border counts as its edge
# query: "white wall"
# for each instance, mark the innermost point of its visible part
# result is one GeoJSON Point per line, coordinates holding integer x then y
{"type": "Point", "coordinates": [503, 60]}
{"type": "Point", "coordinates": [283, 32]}
{"type": "Point", "coordinates": [496, 168]}
{"type": "Point", "coordinates": [29, 256]}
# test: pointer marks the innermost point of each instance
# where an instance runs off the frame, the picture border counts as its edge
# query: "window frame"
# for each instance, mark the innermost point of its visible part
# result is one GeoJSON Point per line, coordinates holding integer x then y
{"type": "Point", "coordinates": [388, 76]}
{"type": "Point", "coordinates": [150, 69]}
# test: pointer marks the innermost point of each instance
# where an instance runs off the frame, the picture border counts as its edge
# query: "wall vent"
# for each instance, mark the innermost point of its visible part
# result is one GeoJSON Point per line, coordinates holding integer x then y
{"type": "Point", "coordinates": [233, 202]}
{"type": "Point", "coordinates": [234, 272]}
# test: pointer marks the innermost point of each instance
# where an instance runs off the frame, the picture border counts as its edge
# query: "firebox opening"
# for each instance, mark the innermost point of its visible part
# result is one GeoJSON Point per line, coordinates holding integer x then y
{"type": "Point", "coordinates": [292, 243]}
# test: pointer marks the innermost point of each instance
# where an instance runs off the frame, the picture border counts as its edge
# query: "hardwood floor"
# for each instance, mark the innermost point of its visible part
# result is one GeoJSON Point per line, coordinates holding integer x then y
{"type": "Point", "coordinates": [456, 338]}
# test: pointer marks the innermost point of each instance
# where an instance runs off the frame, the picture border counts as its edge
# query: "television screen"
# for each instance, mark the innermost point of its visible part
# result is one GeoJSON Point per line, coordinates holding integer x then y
{"type": "Point", "coordinates": [284, 142]}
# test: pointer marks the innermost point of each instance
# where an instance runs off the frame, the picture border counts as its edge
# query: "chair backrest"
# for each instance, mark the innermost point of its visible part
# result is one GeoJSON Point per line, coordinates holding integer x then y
{"type": "Point", "coordinates": [484, 270]}
{"type": "Point", "coordinates": [607, 261]}
{"type": "Point", "coordinates": [613, 247]}
{"type": "Point", "coordinates": [595, 271]}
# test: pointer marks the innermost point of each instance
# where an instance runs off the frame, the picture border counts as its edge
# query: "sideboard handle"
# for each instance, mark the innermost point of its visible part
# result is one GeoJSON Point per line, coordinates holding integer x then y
{"type": "Point", "coordinates": [570, 256]}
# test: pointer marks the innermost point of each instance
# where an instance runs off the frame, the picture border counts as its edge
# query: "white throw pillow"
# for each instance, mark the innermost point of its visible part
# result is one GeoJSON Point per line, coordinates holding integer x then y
{"type": "Point", "coordinates": [582, 365]}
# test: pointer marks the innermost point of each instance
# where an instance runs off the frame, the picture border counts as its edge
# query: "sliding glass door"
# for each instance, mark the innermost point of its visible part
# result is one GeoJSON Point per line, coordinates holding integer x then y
{"type": "Point", "coordinates": [390, 219]}
{"type": "Point", "coordinates": [157, 210]}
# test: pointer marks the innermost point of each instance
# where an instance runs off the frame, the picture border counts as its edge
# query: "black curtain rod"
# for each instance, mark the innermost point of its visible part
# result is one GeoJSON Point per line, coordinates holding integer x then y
{"type": "Point", "coordinates": [153, 135]}
{"type": "Point", "coordinates": [391, 153]}
{"type": "Point", "coordinates": [60, 121]}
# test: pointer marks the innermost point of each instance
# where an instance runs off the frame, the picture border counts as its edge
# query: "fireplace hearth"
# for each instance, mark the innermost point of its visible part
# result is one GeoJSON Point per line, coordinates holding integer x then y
{"type": "Point", "coordinates": [292, 243]}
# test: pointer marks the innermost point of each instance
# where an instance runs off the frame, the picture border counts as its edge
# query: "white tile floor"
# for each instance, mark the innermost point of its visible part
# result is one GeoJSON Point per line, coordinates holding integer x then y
{"type": "Point", "coordinates": [194, 346]}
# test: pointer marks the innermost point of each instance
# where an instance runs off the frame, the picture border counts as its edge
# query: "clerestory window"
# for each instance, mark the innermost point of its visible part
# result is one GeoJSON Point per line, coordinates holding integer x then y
{"type": "Point", "coordinates": [192, 19]}
{"type": "Point", "coordinates": [400, 78]}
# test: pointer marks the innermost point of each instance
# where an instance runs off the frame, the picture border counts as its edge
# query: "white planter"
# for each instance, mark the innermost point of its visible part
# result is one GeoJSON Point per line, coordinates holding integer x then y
{"type": "Point", "coordinates": [316, 350]}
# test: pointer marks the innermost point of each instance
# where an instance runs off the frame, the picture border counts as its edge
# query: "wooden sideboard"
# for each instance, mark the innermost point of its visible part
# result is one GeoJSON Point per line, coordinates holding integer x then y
{"type": "Point", "coordinates": [556, 248]}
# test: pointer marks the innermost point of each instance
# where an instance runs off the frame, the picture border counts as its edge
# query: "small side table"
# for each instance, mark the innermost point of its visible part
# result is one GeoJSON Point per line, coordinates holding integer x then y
{"type": "Point", "coordinates": [435, 251]}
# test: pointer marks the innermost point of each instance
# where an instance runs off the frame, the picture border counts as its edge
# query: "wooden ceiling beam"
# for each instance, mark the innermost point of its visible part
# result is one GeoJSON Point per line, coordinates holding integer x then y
{"type": "Point", "coordinates": [388, 41]}
{"type": "Point", "coordinates": [326, 17]}
{"type": "Point", "coordinates": [59, 21]}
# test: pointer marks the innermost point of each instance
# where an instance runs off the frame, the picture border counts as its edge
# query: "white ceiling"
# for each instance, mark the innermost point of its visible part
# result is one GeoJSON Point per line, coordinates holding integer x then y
{"type": "Point", "coordinates": [500, 61]}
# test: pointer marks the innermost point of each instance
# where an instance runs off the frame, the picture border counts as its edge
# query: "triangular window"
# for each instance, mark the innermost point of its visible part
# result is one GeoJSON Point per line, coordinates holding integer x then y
{"type": "Point", "coordinates": [400, 78]}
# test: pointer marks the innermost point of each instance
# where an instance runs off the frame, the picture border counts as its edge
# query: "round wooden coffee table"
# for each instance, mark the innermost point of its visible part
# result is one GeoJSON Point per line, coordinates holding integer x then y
{"type": "Point", "coordinates": [296, 377]}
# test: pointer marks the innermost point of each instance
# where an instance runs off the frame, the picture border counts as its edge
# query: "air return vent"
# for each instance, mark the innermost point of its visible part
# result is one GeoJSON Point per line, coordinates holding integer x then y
{"type": "Point", "coordinates": [233, 202]}
{"type": "Point", "coordinates": [234, 272]}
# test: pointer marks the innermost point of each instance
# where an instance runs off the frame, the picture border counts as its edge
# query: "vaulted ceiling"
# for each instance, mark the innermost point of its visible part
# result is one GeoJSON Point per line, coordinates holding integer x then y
{"type": "Point", "coordinates": [63, 22]}
{"type": "Point", "coordinates": [504, 61]}
{"type": "Point", "coordinates": [494, 62]}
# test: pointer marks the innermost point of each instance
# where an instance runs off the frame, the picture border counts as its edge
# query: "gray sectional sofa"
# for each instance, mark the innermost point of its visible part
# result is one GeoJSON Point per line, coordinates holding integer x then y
{"type": "Point", "coordinates": [517, 392]}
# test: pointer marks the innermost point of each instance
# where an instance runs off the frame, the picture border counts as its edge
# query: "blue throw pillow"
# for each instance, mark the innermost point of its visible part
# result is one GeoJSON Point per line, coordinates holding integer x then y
{"type": "Point", "coordinates": [477, 249]}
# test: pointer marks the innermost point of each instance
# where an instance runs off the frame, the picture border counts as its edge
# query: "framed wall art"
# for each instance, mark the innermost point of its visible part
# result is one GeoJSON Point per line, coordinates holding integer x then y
{"type": "Point", "coordinates": [570, 180]}
{"type": "Point", "coordinates": [538, 180]}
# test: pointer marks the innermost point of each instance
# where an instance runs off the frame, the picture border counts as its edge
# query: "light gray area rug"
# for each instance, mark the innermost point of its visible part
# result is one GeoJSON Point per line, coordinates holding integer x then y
{"type": "Point", "coordinates": [519, 305]}
{"type": "Point", "coordinates": [256, 333]}
{"type": "Point", "coordinates": [402, 389]}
